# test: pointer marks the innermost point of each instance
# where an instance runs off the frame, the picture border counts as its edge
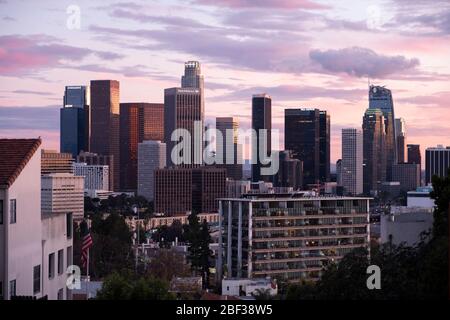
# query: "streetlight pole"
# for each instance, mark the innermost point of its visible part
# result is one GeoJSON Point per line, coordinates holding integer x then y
{"type": "Point", "coordinates": [136, 211]}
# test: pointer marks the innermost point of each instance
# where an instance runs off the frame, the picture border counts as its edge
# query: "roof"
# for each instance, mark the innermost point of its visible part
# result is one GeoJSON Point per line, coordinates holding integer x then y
{"type": "Point", "coordinates": [14, 156]}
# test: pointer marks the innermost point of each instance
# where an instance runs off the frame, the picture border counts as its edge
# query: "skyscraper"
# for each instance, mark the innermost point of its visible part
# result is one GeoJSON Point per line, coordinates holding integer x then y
{"type": "Point", "coordinates": [437, 162]}
{"type": "Point", "coordinates": [105, 123]}
{"type": "Point", "coordinates": [138, 122]}
{"type": "Point", "coordinates": [151, 156]}
{"type": "Point", "coordinates": [381, 98]}
{"type": "Point", "coordinates": [75, 120]}
{"type": "Point", "coordinates": [261, 120]}
{"type": "Point", "coordinates": [184, 109]}
{"type": "Point", "coordinates": [233, 150]}
{"type": "Point", "coordinates": [352, 161]}
{"type": "Point", "coordinates": [374, 154]}
{"type": "Point", "coordinates": [414, 154]}
{"type": "Point", "coordinates": [307, 134]}
{"type": "Point", "coordinates": [400, 130]}
{"type": "Point", "coordinates": [290, 173]}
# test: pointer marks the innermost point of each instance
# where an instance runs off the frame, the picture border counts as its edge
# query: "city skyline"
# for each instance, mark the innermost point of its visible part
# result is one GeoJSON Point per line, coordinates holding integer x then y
{"type": "Point", "coordinates": [138, 44]}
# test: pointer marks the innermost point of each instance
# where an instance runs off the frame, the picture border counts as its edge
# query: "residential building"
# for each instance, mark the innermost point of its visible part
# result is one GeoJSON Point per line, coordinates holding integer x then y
{"type": "Point", "coordinates": [289, 237]}
{"type": "Point", "coordinates": [248, 287]}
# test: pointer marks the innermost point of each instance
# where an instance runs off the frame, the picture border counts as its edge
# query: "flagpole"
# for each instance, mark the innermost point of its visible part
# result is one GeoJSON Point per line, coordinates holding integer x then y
{"type": "Point", "coordinates": [87, 274]}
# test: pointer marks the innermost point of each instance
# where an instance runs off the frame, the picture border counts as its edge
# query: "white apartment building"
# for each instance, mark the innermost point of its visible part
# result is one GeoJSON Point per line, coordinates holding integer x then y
{"type": "Point", "coordinates": [151, 156]}
{"type": "Point", "coordinates": [30, 242]}
{"type": "Point", "coordinates": [96, 177]}
{"type": "Point", "coordinates": [352, 161]}
{"type": "Point", "coordinates": [63, 193]}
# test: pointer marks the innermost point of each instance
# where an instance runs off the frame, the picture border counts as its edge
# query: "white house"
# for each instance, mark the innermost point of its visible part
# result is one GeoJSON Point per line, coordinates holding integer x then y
{"type": "Point", "coordinates": [248, 287]}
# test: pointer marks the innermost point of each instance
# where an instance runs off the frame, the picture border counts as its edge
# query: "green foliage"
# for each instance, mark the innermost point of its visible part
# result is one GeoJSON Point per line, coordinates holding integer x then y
{"type": "Point", "coordinates": [125, 286]}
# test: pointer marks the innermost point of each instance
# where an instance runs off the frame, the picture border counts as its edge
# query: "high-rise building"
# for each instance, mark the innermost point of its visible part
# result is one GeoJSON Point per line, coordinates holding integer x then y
{"type": "Point", "coordinates": [258, 242]}
{"type": "Point", "coordinates": [75, 120]}
{"type": "Point", "coordinates": [339, 172]}
{"type": "Point", "coordinates": [414, 154]}
{"type": "Point", "coordinates": [55, 162]}
{"type": "Point", "coordinates": [400, 130]}
{"type": "Point", "coordinates": [180, 190]}
{"type": "Point", "coordinates": [262, 124]}
{"type": "Point", "coordinates": [63, 193]}
{"type": "Point", "coordinates": [229, 153]}
{"type": "Point", "coordinates": [35, 247]}
{"type": "Point", "coordinates": [352, 161]}
{"type": "Point", "coordinates": [381, 98]}
{"type": "Point", "coordinates": [307, 134]}
{"type": "Point", "coordinates": [151, 156]}
{"type": "Point", "coordinates": [96, 177]}
{"type": "Point", "coordinates": [91, 158]}
{"type": "Point", "coordinates": [290, 172]}
{"type": "Point", "coordinates": [192, 77]}
{"type": "Point", "coordinates": [437, 162]}
{"type": "Point", "coordinates": [105, 124]}
{"type": "Point", "coordinates": [374, 152]}
{"type": "Point", "coordinates": [408, 174]}
{"type": "Point", "coordinates": [138, 121]}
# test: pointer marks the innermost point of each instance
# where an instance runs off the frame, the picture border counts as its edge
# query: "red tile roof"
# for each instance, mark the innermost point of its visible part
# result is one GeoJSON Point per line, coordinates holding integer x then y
{"type": "Point", "coordinates": [14, 156]}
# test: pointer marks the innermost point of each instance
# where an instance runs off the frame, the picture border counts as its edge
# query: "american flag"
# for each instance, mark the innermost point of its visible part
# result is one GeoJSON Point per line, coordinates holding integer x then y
{"type": "Point", "coordinates": [86, 244]}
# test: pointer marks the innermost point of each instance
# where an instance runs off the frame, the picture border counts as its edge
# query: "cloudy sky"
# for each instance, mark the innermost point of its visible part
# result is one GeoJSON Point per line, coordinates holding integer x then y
{"type": "Point", "coordinates": [304, 53]}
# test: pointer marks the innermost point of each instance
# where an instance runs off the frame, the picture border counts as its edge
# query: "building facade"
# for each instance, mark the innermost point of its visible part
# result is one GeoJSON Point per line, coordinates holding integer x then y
{"type": "Point", "coordinates": [400, 131]}
{"type": "Point", "coordinates": [290, 172]}
{"type": "Point", "coordinates": [408, 174]}
{"type": "Point", "coordinates": [262, 124]}
{"type": "Point", "coordinates": [229, 152]}
{"type": "Point", "coordinates": [96, 177]}
{"type": "Point", "coordinates": [437, 162]}
{"type": "Point", "coordinates": [151, 156]}
{"type": "Point", "coordinates": [55, 162]}
{"type": "Point", "coordinates": [351, 171]}
{"type": "Point", "coordinates": [105, 124]}
{"type": "Point", "coordinates": [94, 159]}
{"type": "Point", "coordinates": [414, 154]}
{"type": "Point", "coordinates": [288, 237]}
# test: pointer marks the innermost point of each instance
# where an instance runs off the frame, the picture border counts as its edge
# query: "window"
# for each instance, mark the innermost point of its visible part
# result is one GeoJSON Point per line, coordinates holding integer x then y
{"type": "Point", "coordinates": [69, 256]}
{"type": "Point", "coordinates": [51, 265]}
{"type": "Point", "coordinates": [69, 225]}
{"type": "Point", "coordinates": [12, 288]}
{"type": "Point", "coordinates": [60, 261]}
{"type": "Point", "coordinates": [1, 211]}
{"type": "Point", "coordinates": [12, 211]}
{"type": "Point", "coordinates": [36, 279]}
{"type": "Point", "coordinates": [61, 294]}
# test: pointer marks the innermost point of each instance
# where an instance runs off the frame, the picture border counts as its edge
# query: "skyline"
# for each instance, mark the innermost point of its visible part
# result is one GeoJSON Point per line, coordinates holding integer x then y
{"type": "Point", "coordinates": [302, 53]}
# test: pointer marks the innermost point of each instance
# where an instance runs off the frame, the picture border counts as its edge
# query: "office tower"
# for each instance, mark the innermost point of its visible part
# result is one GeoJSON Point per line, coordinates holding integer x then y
{"type": "Point", "coordinates": [229, 153]}
{"type": "Point", "coordinates": [352, 161]}
{"type": "Point", "coordinates": [381, 98]}
{"type": "Point", "coordinates": [290, 172]}
{"type": "Point", "coordinates": [339, 172]}
{"type": "Point", "coordinates": [103, 160]}
{"type": "Point", "coordinates": [33, 245]}
{"type": "Point", "coordinates": [63, 193]}
{"type": "Point", "coordinates": [437, 162]}
{"type": "Point", "coordinates": [374, 151]}
{"type": "Point", "coordinates": [151, 156]}
{"type": "Point", "coordinates": [307, 134]}
{"type": "Point", "coordinates": [400, 130]}
{"type": "Point", "coordinates": [324, 146]}
{"type": "Point", "coordinates": [408, 174]}
{"type": "Point", "coordinates": [257, 243]}
{"type": "Point", "coordinates": [414, 154]}
{"type": "Point", "coordinates": [138, 121]}
{"type": "Point", "coordinates": [179, 190]}
{"type": "Point", "coordinates": [193, 77]}
{"type": "Point", "coordinates": [96, 177]}
{"type": "Point", "coordinates": [105, 124]}
{"type": "Point", "coordinates": [236, 188]}
{"type": "Point", "coordinates": [75, 120]}
{"type": "Point", "coordinates": [261, 120]}
{"type": "Point", "coordinates": [55, 162]}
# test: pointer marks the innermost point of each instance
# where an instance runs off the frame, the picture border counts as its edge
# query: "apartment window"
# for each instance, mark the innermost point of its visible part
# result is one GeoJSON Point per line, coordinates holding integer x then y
{"type": "Point", "coordinates": [12, 288]}
{"type": "Point", "coordinates": [69, 225]}
{"type": "Point", "coordinates": [51, 265]}
{"type": "Point", "coordinates": [60, 261]}
{"type": "Point", "coordinates": [12, 211]}
{"type": "Point", "coordinates": [69, 256]}
{"type": "Point", "coordinates": [61, 294]}
{"type": "Point", "coordinates": [1, 211]}
{"type": "Point", "coordinates": [36, 279]}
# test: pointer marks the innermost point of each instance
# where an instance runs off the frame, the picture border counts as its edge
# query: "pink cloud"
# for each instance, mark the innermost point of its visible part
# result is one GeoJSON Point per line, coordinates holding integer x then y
{"type": "Point", "coordinates": [281, 4]}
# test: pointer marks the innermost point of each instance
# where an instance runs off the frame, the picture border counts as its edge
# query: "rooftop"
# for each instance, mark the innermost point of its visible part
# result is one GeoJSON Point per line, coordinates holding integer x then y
{"type": "Point", "coordinates": [15, 154]}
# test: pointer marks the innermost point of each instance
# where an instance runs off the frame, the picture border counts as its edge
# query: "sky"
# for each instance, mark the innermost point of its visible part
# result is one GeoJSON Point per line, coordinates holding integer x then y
{"type": "Point", "coordinates": [304, 53]}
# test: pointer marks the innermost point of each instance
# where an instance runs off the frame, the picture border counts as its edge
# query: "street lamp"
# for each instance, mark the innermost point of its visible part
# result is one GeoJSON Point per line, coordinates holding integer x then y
{"type": "Point", "coordinates": [136, 211]}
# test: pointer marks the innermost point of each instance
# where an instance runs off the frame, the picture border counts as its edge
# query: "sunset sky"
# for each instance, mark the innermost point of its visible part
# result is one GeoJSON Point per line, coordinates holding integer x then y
{"type": "Point", "coordinates": [304, 53]}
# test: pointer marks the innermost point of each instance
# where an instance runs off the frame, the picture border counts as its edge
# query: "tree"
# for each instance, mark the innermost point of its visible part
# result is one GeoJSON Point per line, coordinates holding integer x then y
{"type": "Point", "coordinates": [262, 294]}
{"type": "Point", "coordinates": [166, 264]}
